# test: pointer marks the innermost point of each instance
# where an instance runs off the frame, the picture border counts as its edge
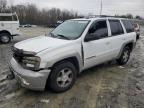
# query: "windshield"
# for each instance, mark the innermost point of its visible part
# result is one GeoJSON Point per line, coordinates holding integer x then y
{"type": "Point", "coordinates": [71, 29]}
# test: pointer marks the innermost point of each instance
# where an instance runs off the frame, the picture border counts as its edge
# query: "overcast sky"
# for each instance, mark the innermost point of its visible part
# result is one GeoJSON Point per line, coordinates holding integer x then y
{"type": "Point", "coordinates": [110, 7]}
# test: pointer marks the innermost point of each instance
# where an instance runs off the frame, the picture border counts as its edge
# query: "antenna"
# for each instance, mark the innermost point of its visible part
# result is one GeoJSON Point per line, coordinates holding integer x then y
{"type": "Point", "coordinates": [101, 7]}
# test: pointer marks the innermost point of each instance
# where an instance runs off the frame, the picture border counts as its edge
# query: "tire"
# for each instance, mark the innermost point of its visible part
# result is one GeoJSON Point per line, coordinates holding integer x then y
{"type": "Point", "coordinates": [5, 38]}
{"type": "Point", "coordinates": [124, 56]}
{"type": "Point", "coordinates": [137, 37]}
{"type": "Point", "coordinates": [62, 77]}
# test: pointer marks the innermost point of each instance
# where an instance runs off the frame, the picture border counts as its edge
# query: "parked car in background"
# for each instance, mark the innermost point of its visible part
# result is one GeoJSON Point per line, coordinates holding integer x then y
{"type": "Point", "coordinates": [54, 25]}
{"type": "Point", "coordinates": [21, 26]}
{"type": "Point", "coordinates": [58, 23]}
{"type": "Point", "coordinates": [75, 45]}
{"type": "Point", "coordinates": [137, 30]}
{"type": "Point", "coordinates": [9, 27]}
{"type": "Point", "coordinates": [27, 25]}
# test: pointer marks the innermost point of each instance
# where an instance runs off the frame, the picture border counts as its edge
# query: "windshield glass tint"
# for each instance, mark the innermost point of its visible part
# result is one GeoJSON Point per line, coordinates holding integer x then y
{"type": "Point", "coordinates": [71, 29]}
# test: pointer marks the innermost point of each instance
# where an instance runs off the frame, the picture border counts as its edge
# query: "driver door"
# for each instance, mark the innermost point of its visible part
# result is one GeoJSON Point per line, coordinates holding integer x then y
{"type": "Point", "coordinates": [97, 49]}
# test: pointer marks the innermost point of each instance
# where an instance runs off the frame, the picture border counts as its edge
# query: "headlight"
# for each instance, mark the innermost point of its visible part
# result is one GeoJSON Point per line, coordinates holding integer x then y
{"type": "Point", "coordinates": [32, 63]}
{"type": "Point", "coordinates": [29, 53]}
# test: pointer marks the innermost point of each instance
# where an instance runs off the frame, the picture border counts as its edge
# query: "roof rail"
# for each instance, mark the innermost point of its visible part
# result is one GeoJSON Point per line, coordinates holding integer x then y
{"type": "Point", "coordinates": [101, 16]}
{"type": "Point", "coordinates": [108, 16]}
{"type": "Point", "coordinates": [92, 16]}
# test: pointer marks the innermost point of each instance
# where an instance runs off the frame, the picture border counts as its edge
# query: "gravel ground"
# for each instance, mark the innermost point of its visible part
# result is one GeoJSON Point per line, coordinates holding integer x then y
{"type": "Point", "coordinates": [104, 86]}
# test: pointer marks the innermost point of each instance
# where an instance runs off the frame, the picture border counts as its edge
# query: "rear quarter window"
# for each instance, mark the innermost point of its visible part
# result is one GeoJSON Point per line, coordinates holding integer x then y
{"type": "Point", "coordinates": [128, 26]}
{"type": "Point", "coordinates": [116, 27]}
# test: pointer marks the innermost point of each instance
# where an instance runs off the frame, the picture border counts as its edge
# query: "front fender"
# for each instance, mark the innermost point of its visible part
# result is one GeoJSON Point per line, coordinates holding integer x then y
{"type": "Point", "coordinates": [49, 58]}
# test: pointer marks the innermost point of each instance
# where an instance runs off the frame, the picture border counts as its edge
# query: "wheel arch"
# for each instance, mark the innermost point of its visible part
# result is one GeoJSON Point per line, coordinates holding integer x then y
{"type": "Point", "coordinates": [73, 60]}
{"type": "Point", "coordinates": [130, 44]}
{"type": "Point", "coordinates": [5, 31]}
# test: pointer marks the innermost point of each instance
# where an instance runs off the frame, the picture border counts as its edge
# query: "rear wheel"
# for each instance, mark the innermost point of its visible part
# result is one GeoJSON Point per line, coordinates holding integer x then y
{"type": "Point", "coordinates": [62, 77]}
{"type": "Point", "coordinates": [5, 38]}
{"type": "Point", "coordinates": [124, 56]}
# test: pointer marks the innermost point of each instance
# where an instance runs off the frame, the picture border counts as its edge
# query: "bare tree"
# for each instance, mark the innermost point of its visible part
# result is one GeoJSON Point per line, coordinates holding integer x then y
{"type": "Point", "coordinates": [3, 4]}
{"type": "Point", "coordinates": [30, 14]}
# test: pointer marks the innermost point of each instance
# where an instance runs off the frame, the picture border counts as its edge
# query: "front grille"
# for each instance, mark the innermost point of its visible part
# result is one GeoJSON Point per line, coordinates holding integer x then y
{"type": "Point", "coordinates": [20, 56]}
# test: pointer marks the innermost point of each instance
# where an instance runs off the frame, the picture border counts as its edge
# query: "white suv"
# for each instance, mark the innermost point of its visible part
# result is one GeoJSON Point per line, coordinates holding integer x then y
{"type": "Point", "coordinates": [9, 27]}
{"type": "Point", "coordinates": [75, 45]}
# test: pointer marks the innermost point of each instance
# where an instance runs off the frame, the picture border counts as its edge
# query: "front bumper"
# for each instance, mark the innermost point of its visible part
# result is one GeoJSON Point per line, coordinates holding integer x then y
{"type": "Point", "coordinates": [27, 78]}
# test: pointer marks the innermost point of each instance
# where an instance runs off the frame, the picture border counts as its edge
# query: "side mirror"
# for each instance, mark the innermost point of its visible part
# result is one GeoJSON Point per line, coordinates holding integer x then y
{"type": "Point", "coordinates": [91, 37]}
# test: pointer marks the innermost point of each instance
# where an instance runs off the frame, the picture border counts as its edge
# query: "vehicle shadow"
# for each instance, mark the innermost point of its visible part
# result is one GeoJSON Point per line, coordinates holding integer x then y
{"type": "Point", "coordinates": [97, 68]}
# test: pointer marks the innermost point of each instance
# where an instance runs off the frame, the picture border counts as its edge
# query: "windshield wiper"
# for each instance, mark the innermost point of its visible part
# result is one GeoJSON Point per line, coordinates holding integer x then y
{"type": "Point", "coordinates": [63, 36]}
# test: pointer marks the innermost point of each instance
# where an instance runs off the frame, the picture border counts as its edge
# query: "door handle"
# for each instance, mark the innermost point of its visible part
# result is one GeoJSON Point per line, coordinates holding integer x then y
{"type": "Point", "coordinates": [107, 43]}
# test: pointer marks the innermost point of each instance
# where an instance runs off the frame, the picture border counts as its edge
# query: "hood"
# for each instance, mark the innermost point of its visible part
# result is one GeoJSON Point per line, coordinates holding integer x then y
{"type": "Point", "coordinates": [40, 43]}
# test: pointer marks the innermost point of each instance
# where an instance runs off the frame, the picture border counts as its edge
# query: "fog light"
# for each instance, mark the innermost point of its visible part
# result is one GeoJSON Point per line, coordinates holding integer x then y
{"type": "Point", "coordinates": [30, 65]}
{"type": "Point", "coordinates": [25, 82]}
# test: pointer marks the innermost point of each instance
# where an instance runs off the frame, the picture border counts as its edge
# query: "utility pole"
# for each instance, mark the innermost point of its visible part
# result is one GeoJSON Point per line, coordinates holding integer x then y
{"type": "Point", "coordinates": [11, 4]}
{"type": "Point", "coordinates": [101, 7]}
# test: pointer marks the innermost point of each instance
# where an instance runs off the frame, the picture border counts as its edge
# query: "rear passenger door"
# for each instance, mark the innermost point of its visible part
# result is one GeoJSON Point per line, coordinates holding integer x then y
{"type": "Point", "coordinates": [97, 50]}
{"type": "Point", "coordinates": [117, 36]}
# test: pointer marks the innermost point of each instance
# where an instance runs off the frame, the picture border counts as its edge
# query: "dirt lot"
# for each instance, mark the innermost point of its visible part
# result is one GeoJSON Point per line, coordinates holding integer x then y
{"type": "Point", "coordinates": [104, 86]}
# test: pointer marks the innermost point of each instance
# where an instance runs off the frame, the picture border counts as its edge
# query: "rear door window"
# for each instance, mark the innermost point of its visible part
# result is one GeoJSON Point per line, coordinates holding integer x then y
{"type": "Point", "coordinates": [128, 26]}
{"type": "Point", "coordinates": [116, 27]}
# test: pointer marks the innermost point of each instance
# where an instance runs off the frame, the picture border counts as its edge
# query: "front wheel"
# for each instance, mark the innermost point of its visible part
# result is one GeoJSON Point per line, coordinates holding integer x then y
{"type": "Point", "coordinates": [5, 38]}
{"type": "Point", "coordinates": [124, 56]}
{"type": "Point", "coordinates": [62, 77]}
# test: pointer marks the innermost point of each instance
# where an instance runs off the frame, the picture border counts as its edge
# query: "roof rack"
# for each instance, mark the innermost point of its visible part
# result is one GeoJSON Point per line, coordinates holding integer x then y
{"type": "Point", "coordinates": [108, 16]}
{"type": "Point", "coordinates": [101, 16]}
